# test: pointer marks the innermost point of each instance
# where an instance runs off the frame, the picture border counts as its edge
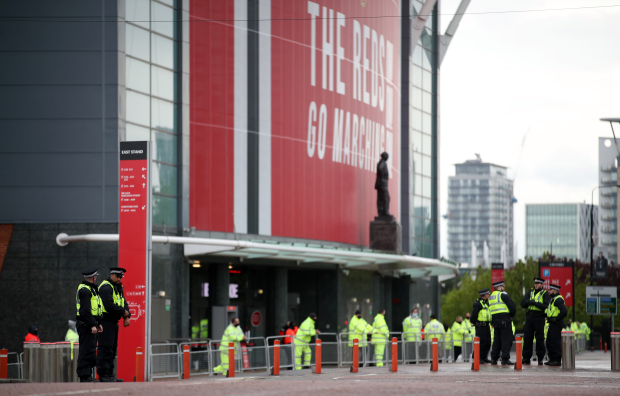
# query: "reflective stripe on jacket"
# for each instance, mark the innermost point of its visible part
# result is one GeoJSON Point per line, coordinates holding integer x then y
{"type": "Point", "coordinates": [381, 332]}
{"type": "Point", "coordinates": [496, 305]}
{"type": "Point", "coordinates": [305, 332]}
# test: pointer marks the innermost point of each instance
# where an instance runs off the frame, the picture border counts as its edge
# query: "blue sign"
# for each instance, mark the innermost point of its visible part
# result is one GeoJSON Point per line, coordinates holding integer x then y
{"type": "Point", "coordinates": [546, 272]}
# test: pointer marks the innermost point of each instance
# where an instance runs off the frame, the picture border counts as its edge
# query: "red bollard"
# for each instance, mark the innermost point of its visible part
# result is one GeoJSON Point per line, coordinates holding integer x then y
{"type": "Point", "coordinates": [476, 364]}
{"type": "Point", "coordinates": [4, 363]}
{"type": "Point", "coordinates": [394, 355]}
{"type": "Point", "coordinates": [185, 361]}
{"type": "Point", "coordinates": [276, 358]}
{"type": "Point", "coordinates": [435, 362]}
{"type": "Point", "coordinates": [355, 365]}
{"type": "Point", "coordinates": [139, 365]}
{"type": "Point", "coordinates": [231, 360]}
{"type": "Point", "coordinates": [605, 347]}
{"type": "Point", "coordinates": [519, 363]}
{"type": "Point", "coordinates": [317, 357]}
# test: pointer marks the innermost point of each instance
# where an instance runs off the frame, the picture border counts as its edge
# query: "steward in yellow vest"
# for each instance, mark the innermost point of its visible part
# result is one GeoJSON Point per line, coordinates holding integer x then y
{"type": "Point", "coordinates": [481, 320]}
{"type": "Point", "coordinates": [412, 327]}
{"type": "Point", "coordinates": [234, 334]}
{"type": "Point", "coordinates": [302, 341]}
{"type": "Point", "coordinates": [502, 309]}
{"type": "Point", "coordinates": [114, 308]}
{"type": "Point", "coordinates": [556, 312]}
{"type": "Point", "coordinates": [380, 336]}
{"type": "Point", "coordinates": [89, 312]}
{"type": "Point", "coordinates": [536, 302]}
{"type": "Point", "coordinates": [458, 332]}
{"type": "Point", "coordinates": [359, 329]}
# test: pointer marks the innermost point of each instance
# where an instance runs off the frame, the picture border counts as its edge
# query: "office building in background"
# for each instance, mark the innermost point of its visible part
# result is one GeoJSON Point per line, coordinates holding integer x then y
{"type": "Point", "coordinates": [608, 197]}
{"type": "Point", "coordinates": [480, 209]}
{"type": "Point", "coordinates": [560, 229]}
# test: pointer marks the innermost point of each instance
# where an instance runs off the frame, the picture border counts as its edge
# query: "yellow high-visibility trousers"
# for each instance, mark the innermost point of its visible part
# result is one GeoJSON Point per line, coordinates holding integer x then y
{"type": "Point", "coordinates": [304, 351]}
{"type": "Point", "coordinates": [223, 367]}
{"type": "Point", "coordinates": [379, 354]}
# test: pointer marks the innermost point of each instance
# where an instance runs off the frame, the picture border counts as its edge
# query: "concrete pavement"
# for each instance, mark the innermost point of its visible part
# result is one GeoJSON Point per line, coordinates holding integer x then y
{"type": "Point", "coordinates": [593, 375]}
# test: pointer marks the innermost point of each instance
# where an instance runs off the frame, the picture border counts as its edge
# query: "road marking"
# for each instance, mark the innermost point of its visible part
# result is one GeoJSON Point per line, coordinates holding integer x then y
{"type": "Point", "coordinates": [354, 376]}
{"type": "Point", "coordinates": [77, 392]}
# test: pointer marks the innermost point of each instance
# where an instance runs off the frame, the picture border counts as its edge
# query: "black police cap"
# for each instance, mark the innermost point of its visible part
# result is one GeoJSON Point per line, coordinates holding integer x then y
{"type": "Point", "coordinates": [90, 272]}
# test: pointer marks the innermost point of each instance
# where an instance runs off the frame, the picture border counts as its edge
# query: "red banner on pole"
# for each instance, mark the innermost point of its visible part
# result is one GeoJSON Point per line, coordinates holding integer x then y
{"type": "Point", "coordinates": [560, 274]}
{"type": "Point", "coordinates": [134, 246]}
{"type": "Point", "coordinates": [497, 273]}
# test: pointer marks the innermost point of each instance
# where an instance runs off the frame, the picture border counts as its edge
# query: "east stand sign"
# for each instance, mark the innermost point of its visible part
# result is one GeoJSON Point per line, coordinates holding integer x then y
{"type": "Point", "coordinates": [601, 300]}
{"type": "Point", "coordinates": [134, 254]}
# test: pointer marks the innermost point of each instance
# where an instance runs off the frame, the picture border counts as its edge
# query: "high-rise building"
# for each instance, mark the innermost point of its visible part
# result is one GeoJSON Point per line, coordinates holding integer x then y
{"type": "Point", "coordinates": [560, 229]}
{"type": "Point", "coordinates": [608, 197]}
{"type": "Point", "coordinates": [480, 209]}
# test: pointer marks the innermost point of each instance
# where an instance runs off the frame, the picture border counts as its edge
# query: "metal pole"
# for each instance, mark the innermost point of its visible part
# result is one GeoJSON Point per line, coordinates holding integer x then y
{"type": "Point", "coordinates": [568, 350]}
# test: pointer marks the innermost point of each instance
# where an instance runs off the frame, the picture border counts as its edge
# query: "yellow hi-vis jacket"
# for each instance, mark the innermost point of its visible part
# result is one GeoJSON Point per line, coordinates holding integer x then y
{"type": "Point", "coordinates": [412, 329]}
{"type": "Point", "coordinates": [232, 334]}
{"type": "Point", "coordinates": [305, 333]}
{"type": "Point", "coordinates": [468, 330]}
{"type": "Point", "coordinates": [381, 332]}
{"type": "Point", "coordinates": [434, 329]}
{"type": "Point", "coordinates": [358, 329]}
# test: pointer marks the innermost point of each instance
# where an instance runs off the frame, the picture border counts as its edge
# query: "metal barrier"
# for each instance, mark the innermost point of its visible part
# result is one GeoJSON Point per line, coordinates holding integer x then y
{"type": "Point", "coordinates": [287, 353]}
{"type": "Point", "coordinates": [254, 354]}
{"type": "Point", "coordinates": [414, 348]}
{"type": "Point", "coordinates": [199, 357]}
{"type": "Point", "coordinates": [345, 341]}
{"type": "Point", "coordinates": [329, 349]}
{"type": "Point", "coordinates": [467, 346]}
{"type": "Point", "coordinates": [580, 343]}
{"type": "Point", "coordinates": [14, 366]}
{"type": "Point", "coordinates": [165, 361]}
{"type": "Point", "coordinates": [215, 354]}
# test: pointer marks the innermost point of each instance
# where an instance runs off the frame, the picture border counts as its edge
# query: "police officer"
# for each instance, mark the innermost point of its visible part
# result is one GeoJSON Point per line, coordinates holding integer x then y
{"type": "Point", "coordinates": [502, 309]}
{"type": "Point", "coordinates": [536, 302]}
{"type": "Point", "coordinates": [556, 311]}
{"type": "Point", "coordinates": [481, 320]}
{"type": "Point", "coordinates": [88, 316]}
{"type": "Point", "coordinates": [114, 308]}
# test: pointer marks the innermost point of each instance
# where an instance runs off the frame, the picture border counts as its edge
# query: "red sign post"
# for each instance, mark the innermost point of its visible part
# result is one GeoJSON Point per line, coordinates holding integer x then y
{"type": "Point", "coordinates": [134, 253]}
{"type": "Point", "coordinates": [560, 274]}
{"type": "Point", "coordinates": [497, 273]}
{"type": "Point", "coordinates": [257, 318]}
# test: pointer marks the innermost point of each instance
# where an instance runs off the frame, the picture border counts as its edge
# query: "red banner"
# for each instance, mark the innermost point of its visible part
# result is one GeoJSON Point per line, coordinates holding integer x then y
{"type": "Point", "coordinates": [497, 273]}
{"type": "Point", "coordinates": [560, 274]}
{"type": "Point", "coordinates": [133, 250]}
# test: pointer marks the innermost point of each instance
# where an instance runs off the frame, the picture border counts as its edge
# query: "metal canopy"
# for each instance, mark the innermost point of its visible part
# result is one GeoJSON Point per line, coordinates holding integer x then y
{"type": "Point", "coordinates": [353, 258]}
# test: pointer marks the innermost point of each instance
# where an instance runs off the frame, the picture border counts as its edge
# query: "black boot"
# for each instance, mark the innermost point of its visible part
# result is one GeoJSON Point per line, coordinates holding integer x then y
{"type": "Point", "coordinates": [107, 379]}
{"type": "Point", "coordinates": [87, 378]}
{"type": "Point", "coordinates": [507, 363]}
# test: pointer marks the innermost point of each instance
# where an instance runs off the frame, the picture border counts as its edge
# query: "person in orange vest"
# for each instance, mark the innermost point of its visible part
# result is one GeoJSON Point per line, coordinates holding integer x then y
{"type": "Point", "coordinates": [32, 334]}
{"type": "Point", "coordinates": [290, 332]}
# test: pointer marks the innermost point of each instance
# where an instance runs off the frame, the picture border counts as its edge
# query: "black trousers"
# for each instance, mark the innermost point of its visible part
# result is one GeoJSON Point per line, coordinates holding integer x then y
{"type": "Point", "coordinates": [534, 326]}
{"type": "Point", "coordinates": [457, 351]}
{"type": "Point", "coordinates": [87, 355]}
{"type": "Point", "coordinates": [484, 333]}
{"type": "Point", "coordinates": [502, 341]}
{"type": "Point", "coordinates": [554, 342]}
{"type": "Point", "coordinates": [106, 351]}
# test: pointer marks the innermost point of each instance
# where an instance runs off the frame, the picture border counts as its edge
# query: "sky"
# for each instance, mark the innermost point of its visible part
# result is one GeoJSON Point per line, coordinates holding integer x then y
{"type": "Point", "coordinates": [544, 76]}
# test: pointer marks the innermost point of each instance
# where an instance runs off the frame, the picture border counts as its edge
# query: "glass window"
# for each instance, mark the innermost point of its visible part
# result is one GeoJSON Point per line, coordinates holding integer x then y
{"type": "Point", "coordinates": [162, 13]}
{"type": "Point", "coordinates": [427, 81]}
{"type": "Point", "coordinates": [169, 2]}
{"type": "Point", "coordinates": [136, 133]}
{"type": "Point", "coordinates": [164, 179]}
{"type": "Point", "coordinates": [415, 119]}
{"type": "Point", "coordinates": [416, 76]}
{"type": "Point", "coordinates": [426, 145]}
{"type": "Point", "coordinates": [162, 116]}
{"type": "Point", "coordinates": [415, 97]}
{"type": "Point", "coordinates": [417, 184]}
{"type": "Point", "coordinates": [426, 187]}
{"type": "Point", "coordinates": [138, 75]}
{"type": "Point", "coordinates": [138, 108]}
{"type": "Point", "coordinates": [426, 166]}
{"type": "Point", "coordinates": [427, 123]}
{"type": "Point", "coordinates": [164, 147]}
{"type": "Point", "coordinates": [428, 55]}
{"type": "Point", "coordinates": [164, 210]}
{"type": "Point", "coordinates": [427, 102]}
{"type": "Point", "coordinates": [417, 163]}
{"type": "Point", "coordinates": [137, 42]}
{"type": "Point", "coordinates": [162, 83]}
{"type": "Point", "coordinates": [416, 140]}
{"type": "Point", "coordinates": [162, 51]}
{"type": "Point", "coordinates": [137, 11]}
{"type": "Point", "coordinates": [417, 55]}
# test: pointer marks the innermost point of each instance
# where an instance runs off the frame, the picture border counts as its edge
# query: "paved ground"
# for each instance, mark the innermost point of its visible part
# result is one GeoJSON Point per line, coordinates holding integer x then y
{"type": "Point", "coordinates": [593, 376]}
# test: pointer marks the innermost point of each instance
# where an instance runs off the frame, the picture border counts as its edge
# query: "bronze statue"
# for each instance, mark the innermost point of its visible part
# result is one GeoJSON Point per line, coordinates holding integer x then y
{"type": "Point", "coordinates": [381, 185]}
